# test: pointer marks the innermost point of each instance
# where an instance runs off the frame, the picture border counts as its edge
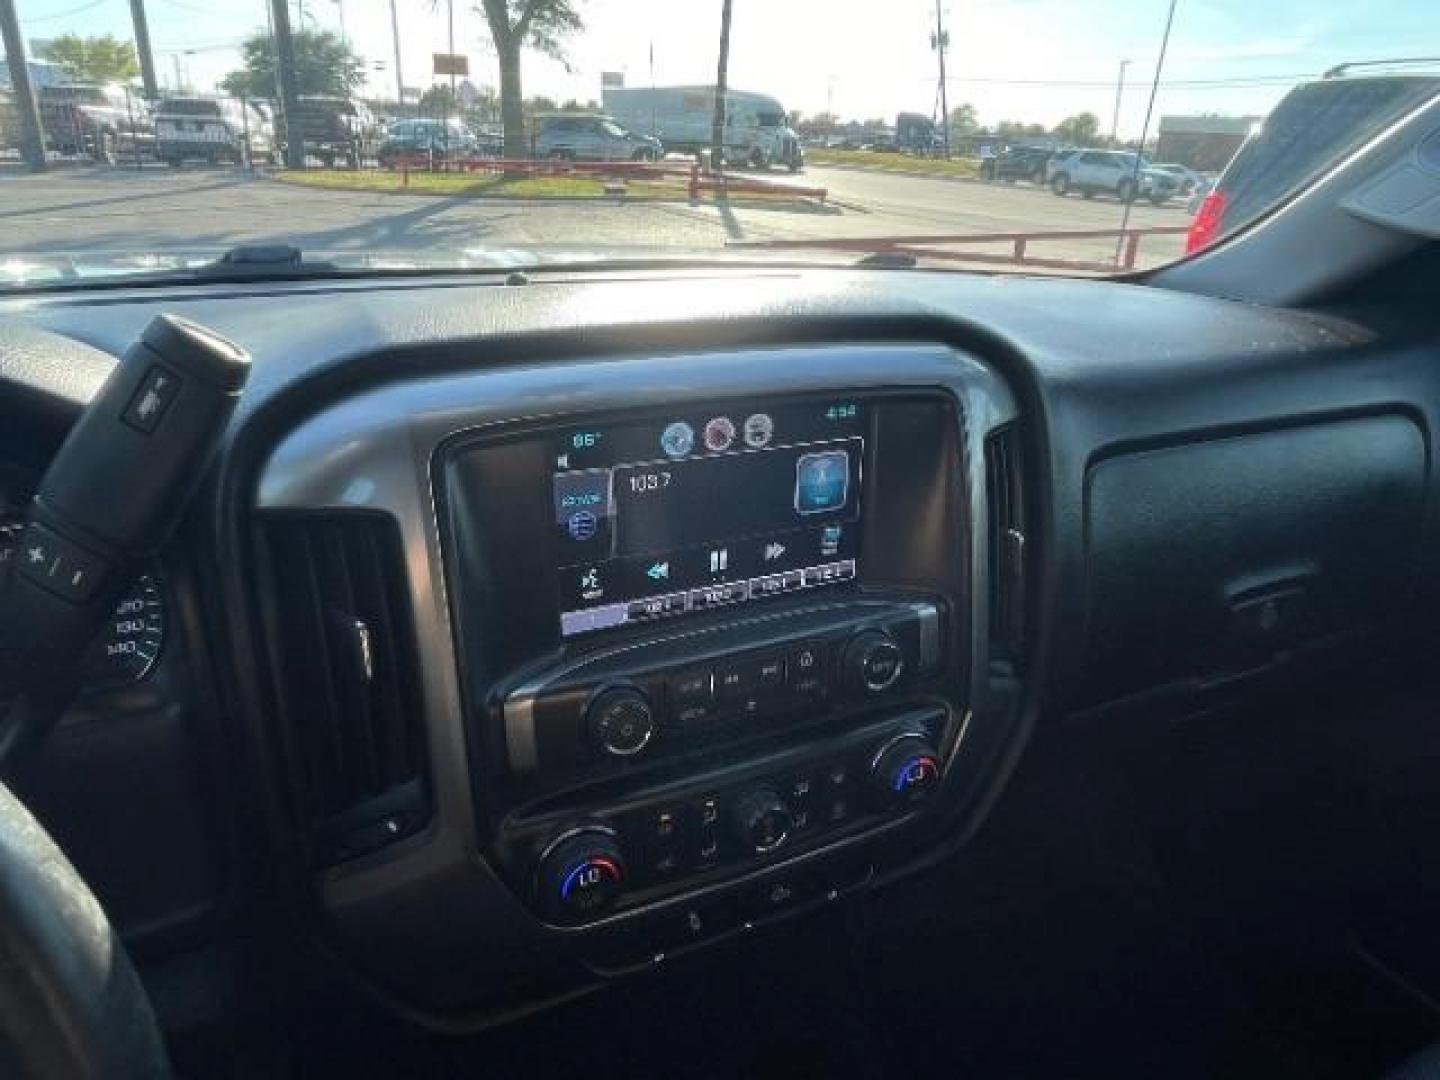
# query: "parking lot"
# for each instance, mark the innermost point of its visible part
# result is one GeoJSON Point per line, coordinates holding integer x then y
{"type": "Point", "coordinates": [90, 209]}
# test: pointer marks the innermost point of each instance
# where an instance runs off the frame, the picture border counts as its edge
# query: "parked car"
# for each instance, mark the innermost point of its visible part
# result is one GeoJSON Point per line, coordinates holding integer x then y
{"type": "Point", "coordinates": [588, 137]}
{"type": "Point", "coordinates": [426, 136]}
{"type": "Point", "coordinates": [93, 120]}
{"type": "Point", "coordinates": [1312, 127]}
{"type": "Point", "coordinates": [9, 121]}
{"type": "Point", "coordinates": [1019, 163]}
{"type": "Point", "coordinates": [338, 129]}
{"type": "Point", "coordinates": [1111, 172]}
{"type": "Point", "coordinates": [212, 129]}
{"type": "Point", "coordinates": [1189, 180]}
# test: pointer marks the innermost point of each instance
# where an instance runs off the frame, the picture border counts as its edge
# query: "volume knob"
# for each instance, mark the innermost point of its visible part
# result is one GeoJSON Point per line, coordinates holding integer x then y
{"type": "Point", "coordinates": [621, 721]}
{"type": "Point", "coordinates": [873, 661]}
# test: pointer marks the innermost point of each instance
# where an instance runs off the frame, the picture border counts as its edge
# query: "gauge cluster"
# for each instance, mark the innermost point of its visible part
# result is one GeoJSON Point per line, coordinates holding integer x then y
{"type": "Point", "coordinates": [130, 642]}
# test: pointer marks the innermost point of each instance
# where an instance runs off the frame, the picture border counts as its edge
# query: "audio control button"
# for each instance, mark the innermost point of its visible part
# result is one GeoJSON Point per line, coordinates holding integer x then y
{"type": "Point", "coordinates": [694, 686]}
{"type": "Point", "coordinates": [769, 674]}
{"type": "Point", "coordinates": [873, 661]}
{"type": "Point", "coordinates": [621, 721]}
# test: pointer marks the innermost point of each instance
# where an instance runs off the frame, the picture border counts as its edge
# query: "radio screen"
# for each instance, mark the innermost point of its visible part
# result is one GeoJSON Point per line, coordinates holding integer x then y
{"type": "Point", "coordinates": [702, 509]}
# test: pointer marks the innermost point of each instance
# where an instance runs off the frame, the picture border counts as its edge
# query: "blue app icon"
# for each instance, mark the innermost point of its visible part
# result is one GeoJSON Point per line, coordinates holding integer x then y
{"type": "Point", "coordinates": [582, 525]}
{"type": "Point", "coordinates": [678, 439]}
{"type": "Point", "coordinates": [822, 482]}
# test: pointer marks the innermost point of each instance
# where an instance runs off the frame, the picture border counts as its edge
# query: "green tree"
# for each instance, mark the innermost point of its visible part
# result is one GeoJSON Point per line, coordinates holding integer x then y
{"type": "Point", "coordinates": [963, 120]}
{"type": "Point", "coordinates": [437, 100]}
{"type": "Point", "coordinates": [1082, 129]}
{"type": "Point", "coordinates": [323, 65]}
{"type": "Point", "coordinates": [514, 24]}
{"type": "Point", "coordinates": [92, 59]}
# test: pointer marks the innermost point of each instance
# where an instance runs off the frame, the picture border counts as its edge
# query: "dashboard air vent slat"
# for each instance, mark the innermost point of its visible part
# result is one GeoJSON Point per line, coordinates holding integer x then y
{"type": "Point", "coordinates": [343, 651]}
{"type": "Point", "coordinates": [1005, 494]}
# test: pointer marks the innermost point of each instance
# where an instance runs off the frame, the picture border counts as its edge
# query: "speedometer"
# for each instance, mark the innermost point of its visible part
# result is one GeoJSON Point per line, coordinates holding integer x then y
{"type": "Point", "coordinates": [131, 639]}
{"type": "Point", "coordinates": [130, 643]}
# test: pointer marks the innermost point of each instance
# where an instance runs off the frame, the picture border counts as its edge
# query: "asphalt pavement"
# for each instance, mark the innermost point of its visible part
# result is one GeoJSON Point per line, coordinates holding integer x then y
{"type": "Point", "coordinates": [123, 210]}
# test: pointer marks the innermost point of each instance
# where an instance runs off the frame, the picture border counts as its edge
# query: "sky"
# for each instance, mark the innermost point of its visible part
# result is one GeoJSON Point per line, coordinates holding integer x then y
{"type": "Point", "coordinates": [1026, 60]}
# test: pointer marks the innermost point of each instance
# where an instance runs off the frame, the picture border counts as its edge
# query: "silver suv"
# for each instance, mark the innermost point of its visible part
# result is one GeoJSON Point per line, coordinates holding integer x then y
{"type": "Point", "coordinates": [574, 137]}
{"type": "Point", "coordinates": [1111, 172]}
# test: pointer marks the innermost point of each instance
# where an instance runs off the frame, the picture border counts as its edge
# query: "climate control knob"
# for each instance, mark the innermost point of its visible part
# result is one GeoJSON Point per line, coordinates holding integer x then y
{"type": "Point", "coordinates": [905, 771]}
{"type": "Point", "coordinates": [621, 721]}
{"type": "Point", "coordinates": [873, 661]}
{"type": "Point", "coordinates": [763, 821]}
{"type": "Point", "coordinates": [580, 873]}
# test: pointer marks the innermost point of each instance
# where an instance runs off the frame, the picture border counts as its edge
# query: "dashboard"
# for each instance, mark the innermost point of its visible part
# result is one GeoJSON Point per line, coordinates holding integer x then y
{"type": "Point", "coordinates": [541, 634]}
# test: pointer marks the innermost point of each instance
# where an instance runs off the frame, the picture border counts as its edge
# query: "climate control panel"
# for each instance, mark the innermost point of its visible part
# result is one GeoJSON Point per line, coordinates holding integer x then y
{"type": "Point", "coordinates": [719, 825]}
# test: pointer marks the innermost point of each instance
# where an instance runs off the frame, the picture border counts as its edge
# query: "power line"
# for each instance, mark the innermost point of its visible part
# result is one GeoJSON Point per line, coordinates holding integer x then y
{"type": "Point", "coordinates": [217, 46]}
{"type": "Point", "coordinates": [62, 14]}
{"type": "Point", "coordinates": [195, 8]}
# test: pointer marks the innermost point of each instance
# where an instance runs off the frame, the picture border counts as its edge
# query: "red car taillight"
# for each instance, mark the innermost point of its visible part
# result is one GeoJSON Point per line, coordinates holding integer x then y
{"type": "Point", "coordinates": [1205, 228]}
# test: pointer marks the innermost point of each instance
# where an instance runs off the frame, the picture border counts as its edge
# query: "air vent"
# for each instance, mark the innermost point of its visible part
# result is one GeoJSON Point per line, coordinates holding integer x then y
{"type": "Point", "coordinates": [1005, 493]}
{"type": "Point", "coordinates": [343, 651]}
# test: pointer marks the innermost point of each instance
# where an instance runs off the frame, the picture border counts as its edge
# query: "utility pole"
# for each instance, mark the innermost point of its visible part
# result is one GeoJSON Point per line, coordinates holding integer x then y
{"type": "Point", "coordinates": [399, 77]}
{"type": "Point", "coordinates": [289, 91]}
{"type": "Point", "coordinates": [940, 41]}
{"type": "Point", "coordinates": [454, 101]}
{"type": "Point", "coordinates": [1119, 89]}
{"type": "Point", "coordinates": [343, 35]}
{"type": "Point", "coordinates": [717, 131]}
{"type": "Point", "coordinates": [142, 49]}
{"type": "Point", "coordinates": [32, 135]}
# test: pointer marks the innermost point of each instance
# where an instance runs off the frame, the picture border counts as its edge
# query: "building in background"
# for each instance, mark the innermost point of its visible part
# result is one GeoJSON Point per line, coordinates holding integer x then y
{"type": "Point", "coordinates": [1205, 143]}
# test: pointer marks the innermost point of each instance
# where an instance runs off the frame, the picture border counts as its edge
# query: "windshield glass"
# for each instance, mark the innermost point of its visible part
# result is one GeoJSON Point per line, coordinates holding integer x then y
{"type": "Point", "coordinates": [984, 135]}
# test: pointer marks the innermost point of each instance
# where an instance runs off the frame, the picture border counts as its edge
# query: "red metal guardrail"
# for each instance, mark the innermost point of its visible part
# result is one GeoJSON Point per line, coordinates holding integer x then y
{"type": "Point", "coordinates": [698, 181]}
{"type": "Point", "coordinates": [938, 247]}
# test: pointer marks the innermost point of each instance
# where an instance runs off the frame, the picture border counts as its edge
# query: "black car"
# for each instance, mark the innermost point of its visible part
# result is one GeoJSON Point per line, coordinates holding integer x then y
{"type": "Point", "coordinates": [1018, 163]}
{"type": "Point", "coordinates": [426, 137]}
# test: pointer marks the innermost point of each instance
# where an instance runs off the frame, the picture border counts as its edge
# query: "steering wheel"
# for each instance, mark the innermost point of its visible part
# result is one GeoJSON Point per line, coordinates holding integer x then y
{"type": "Point", "coordinates": [71, 1004]}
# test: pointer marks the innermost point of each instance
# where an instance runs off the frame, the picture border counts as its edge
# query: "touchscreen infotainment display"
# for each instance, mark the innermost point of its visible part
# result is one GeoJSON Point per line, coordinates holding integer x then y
{"type": "Point", "coordinates": [702, 508]}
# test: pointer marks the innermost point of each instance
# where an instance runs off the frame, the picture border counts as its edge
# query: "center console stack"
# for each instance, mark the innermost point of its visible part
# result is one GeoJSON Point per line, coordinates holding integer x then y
{"type": "Point", "coordinates": [712, 652]}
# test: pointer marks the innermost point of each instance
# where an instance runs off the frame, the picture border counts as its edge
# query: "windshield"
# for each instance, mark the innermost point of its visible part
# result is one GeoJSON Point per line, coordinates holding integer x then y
{"type": "Point", "coordinates": [983, 135]}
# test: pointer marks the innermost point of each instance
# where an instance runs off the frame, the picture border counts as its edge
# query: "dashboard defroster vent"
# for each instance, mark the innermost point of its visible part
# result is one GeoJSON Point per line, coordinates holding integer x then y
{"type": "Point", "coordinates": [1005, 495]}
{"type": "Point", "coordinates": [342, 646]}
